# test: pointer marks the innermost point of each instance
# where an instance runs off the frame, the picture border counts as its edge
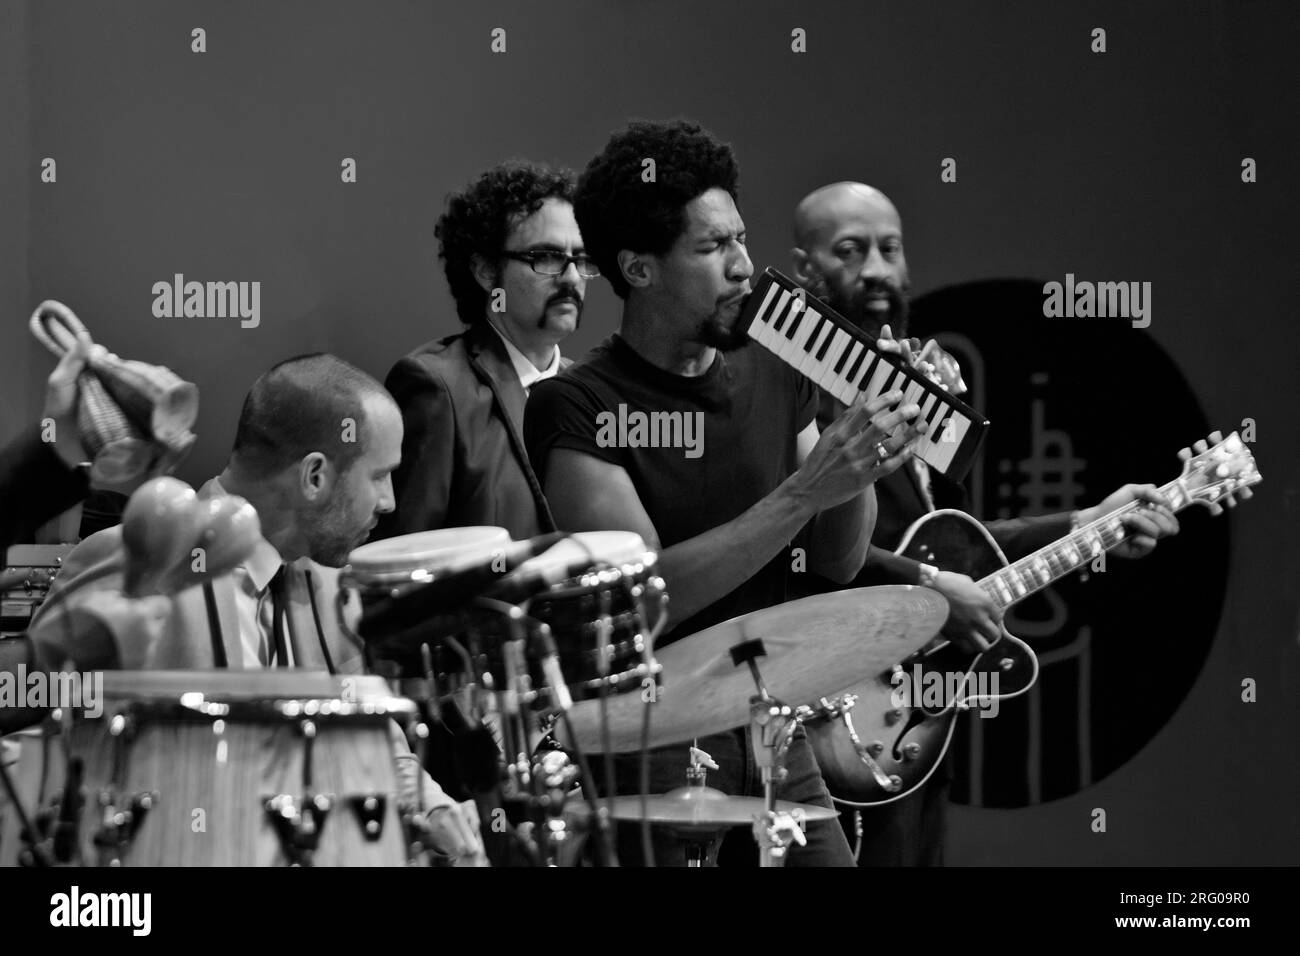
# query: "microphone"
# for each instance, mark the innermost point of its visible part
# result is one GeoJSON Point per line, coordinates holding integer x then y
{"type": "Point", "coordinates": [419, 605]}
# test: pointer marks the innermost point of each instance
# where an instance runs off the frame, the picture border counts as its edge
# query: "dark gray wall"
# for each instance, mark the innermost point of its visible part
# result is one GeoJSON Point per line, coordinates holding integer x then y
{"type": "Point", "coordinates": [225, 166]}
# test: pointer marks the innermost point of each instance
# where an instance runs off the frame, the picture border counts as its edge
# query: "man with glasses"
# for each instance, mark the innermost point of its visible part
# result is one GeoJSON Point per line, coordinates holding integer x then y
{"type": "Point", "coordinates": [518, 273]}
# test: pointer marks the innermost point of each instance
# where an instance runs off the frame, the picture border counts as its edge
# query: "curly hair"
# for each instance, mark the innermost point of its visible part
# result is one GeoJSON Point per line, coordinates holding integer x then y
{"type": "Point", "coordinates": [479, 219]}
{"type": "Point", "coordinates": [618, 209]}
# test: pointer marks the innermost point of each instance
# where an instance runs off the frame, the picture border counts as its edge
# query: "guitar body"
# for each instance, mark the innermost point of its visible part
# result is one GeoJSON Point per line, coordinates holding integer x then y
{"type": "Point", "coordinates": [906, 743]}
{"type": "Point", "coordinates": [879, 740]}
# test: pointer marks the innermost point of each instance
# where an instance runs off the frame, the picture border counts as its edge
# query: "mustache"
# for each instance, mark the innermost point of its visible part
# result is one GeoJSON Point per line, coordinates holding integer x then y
{"type": "Point", "coordinates": [559, 297]}
{"type": "Point", "coordinates": [566, 296]}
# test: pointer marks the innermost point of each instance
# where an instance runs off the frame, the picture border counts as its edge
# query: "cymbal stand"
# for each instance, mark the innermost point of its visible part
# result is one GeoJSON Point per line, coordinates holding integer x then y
{"type": "Point", "coordinates": [697, 844]}
{"type": "Point", "coordinates": [773, 724]}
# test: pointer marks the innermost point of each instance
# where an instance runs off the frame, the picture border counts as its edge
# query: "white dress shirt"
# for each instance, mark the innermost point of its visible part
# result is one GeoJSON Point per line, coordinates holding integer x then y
{"type": "Point", "coordinates": [253, 601]}
{"type": "Point", "coordinates": [528, 373]}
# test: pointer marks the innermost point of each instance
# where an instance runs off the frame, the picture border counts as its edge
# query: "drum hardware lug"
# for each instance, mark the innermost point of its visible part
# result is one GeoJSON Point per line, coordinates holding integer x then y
{"type": "Point", "coordinates": [876, 748]}
{"type": "Point", "coordinates": [895, 783]}
{"type": "Point", "coordinates": [298, 826]}
{"type": "Point", "coordinates": [369, 809]}
{"type": "Point", "coordinates": [911, 751]}
{"type": "Point", "coordinates": [893, 716]}
{"type": "Point", "coordinates": [118, 827]}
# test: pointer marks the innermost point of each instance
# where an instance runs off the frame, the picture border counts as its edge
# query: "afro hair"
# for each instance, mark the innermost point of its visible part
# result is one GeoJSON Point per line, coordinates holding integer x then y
{"type": "Point", "coordinates": [617, 208]}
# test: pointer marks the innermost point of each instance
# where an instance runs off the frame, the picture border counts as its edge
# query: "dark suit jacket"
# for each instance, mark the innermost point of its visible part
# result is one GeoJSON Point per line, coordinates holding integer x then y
{"type": "Point", "coordinates": [463, 457]}
{"type": "Point", "coordinates": [35, 486]}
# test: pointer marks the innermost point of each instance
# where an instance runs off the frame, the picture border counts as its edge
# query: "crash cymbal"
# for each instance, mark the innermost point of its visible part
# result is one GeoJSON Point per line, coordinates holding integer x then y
{"type": "Point", "coordinates": [703, 808]}
{"type": "Point", "coordinates": [812, 647]}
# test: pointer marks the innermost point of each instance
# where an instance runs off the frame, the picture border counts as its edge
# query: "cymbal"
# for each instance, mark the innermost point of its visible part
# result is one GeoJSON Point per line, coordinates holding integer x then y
{"type": "Point", "coordinates": [813, 646]}
{"type": "Point", "coordinates": [703, 808]}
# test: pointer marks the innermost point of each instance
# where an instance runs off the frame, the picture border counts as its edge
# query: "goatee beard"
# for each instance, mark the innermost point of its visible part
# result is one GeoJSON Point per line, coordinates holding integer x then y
{"type": "Point", "coordinates": [725, 339]}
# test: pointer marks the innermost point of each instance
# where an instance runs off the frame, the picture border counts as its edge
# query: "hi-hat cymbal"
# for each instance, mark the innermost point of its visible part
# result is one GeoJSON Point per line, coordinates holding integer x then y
{"type": "Point", "coordinates": [812, 647]}
{"type": "Point", "coordinates": [703, 808]}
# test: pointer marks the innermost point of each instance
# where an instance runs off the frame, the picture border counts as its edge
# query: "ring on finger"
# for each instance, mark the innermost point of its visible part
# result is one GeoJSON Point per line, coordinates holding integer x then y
{"type": "Point", "coordinates": [882, 452]}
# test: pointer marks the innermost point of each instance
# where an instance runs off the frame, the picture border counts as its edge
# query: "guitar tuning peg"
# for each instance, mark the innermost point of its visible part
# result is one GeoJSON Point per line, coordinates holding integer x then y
{"type": "Point", "coordinates": [1216, 437]}
{"type": "Point", "coordinates": [1216, 509]}
{"type": "Point", "coordinates": [1184, 454]}
{"type": "Point", "coordinates": [1200, 447]}
{"type": "Point", "coordinates": [1231, 499]}
{"type": "Point", "coordinates": [1246, 493]}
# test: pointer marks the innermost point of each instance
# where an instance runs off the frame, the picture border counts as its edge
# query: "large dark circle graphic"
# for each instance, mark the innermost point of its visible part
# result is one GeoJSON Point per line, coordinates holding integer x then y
{"type": "Point", "coordinates": [1078, 408]}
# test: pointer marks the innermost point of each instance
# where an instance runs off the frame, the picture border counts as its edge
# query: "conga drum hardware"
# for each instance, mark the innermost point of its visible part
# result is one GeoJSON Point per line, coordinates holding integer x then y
{"type": "Point", "coordinates": [299, 822]}
{"type": "Point", "coordinates": [119, 824]}
{"type": "Point", "coordinates": [369, 809]}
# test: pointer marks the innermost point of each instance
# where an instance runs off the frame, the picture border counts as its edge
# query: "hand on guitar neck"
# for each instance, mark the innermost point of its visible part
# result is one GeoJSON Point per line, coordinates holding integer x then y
{"type": "Point", "coordinates": [975, 619]}
{"type": "Point", "coordinates": [1146, 524]}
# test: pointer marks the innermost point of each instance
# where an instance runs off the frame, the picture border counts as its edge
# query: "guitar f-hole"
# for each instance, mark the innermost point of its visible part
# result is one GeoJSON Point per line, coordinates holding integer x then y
{"type": "Point", "coordinates": [914, 719]}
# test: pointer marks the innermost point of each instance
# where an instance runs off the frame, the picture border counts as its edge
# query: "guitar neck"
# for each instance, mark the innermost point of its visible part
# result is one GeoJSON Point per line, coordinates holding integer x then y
{"type": "Point", "coordinates": [1045, 566]}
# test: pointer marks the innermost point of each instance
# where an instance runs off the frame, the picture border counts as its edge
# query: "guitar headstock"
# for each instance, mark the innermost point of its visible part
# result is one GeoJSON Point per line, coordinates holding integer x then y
{"type": "Point", "coordinates": [1219, 471]}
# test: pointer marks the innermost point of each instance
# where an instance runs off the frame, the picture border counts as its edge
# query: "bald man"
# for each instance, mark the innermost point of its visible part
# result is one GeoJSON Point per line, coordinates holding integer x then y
{"type": "Point", "coordinates": [315, 447]}
{"type": "Point", "coordinates": [849, 252]}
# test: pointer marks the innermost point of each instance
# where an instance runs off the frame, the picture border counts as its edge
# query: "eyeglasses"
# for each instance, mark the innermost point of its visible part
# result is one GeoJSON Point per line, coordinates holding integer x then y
{"type": "Point", "coordinates": [547, 262]}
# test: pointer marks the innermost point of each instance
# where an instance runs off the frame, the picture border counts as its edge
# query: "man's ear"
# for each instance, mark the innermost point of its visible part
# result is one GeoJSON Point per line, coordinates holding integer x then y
{"type": "Point", "coordinates": [316, 477]}
{"type": "Point", "coordinates": [485, 273]}
{"type": "Point", "coordinates": [638, 269]}
{"type": "Point", "coordinates": [802, 265]}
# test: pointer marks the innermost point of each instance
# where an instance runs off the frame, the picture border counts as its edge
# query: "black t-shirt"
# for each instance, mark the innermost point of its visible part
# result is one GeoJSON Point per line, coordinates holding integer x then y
{"type": "Point", "coordinates": [738, 422]}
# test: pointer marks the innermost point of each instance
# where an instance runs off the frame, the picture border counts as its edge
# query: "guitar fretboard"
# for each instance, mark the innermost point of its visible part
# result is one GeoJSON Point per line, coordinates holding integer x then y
{"type": "Point", "coordinates": [1036, 571]}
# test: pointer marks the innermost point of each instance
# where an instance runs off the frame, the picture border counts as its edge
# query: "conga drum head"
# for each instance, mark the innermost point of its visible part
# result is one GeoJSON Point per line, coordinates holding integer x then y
{"type": "Point", "coordinates": [419, 557]}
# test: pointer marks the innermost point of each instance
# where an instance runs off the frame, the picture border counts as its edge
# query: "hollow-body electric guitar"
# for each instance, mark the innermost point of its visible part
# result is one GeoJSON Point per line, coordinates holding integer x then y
{"type": "Point", "coordinates": [880, 740]}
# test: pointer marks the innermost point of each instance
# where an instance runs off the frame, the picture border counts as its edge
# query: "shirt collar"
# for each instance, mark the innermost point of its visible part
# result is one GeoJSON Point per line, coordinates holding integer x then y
{"type": "Point", "coordinates": [528, 373]}
{"type": "Point", "coordinates": [264, 561]}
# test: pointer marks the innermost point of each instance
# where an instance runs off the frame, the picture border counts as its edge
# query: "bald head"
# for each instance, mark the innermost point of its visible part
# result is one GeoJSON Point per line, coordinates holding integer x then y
{"type": "Point", "coordinates": [316, 445]}
{"type": "Point", "coordinates": [299, 406]}
{"type": "Point", "coordinates": [849, 251]}
{"type": "Point", "coordinates": [824, 210]}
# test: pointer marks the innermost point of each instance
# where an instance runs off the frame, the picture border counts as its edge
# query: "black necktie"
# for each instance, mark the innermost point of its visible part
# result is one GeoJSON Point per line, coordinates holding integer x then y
{"type": "Point", "coordinates": [279, 588]}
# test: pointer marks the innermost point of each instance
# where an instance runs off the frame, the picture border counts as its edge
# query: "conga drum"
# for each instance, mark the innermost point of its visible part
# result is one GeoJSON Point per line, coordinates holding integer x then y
{"type": "Point", "coordinates": [222, 768]}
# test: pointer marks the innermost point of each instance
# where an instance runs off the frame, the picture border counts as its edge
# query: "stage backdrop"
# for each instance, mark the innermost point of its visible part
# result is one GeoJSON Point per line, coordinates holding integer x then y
{"type": "Point", "coordinates": [1123, 163]}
